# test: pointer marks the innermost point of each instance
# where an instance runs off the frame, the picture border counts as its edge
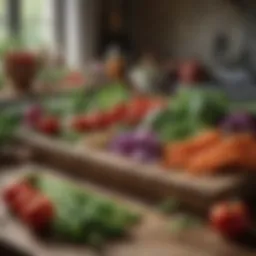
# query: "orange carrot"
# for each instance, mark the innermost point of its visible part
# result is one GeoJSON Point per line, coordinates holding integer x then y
{"type": "Point", "coordinates": [230, 152]}
{"type": "Point", "coordinates": [178, 154]}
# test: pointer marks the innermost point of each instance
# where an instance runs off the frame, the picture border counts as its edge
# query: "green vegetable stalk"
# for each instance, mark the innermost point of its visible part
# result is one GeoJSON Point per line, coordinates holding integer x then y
{"type": "Point", "coordinates": [82, 217]}
{"type": "Point", "coordinates": [189, 112]}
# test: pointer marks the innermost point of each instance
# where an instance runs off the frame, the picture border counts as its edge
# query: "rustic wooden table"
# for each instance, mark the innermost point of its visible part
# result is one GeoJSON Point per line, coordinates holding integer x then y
{"type": "Point", "coordinates": [150, 238]}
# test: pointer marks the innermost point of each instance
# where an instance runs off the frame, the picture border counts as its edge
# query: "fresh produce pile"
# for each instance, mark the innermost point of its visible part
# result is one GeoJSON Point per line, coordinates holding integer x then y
{"type": "Point", "coordinates": [51, 119]}
{"type": "Point", "coordinates": [189, 113]}
{"type": "Point", "coordinates": [129, 113]}
{"type": "Point", "coordinates": [67, 213]}
{"type": "Point", "coordinates": [231, 146]}
{"type": "Point", "coordinates": [195, 131]}
{"type": "Point", "coordinates": [94, 112]}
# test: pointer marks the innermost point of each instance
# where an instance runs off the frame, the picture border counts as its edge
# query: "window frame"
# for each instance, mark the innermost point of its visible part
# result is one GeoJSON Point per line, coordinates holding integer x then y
{"type": "Point", "coordinates": [14, 19]}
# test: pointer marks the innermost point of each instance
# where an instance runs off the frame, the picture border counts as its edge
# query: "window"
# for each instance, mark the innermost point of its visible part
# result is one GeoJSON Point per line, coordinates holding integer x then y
{"type": "Point", "coordinates": [32, 19]}
{"type": "Point", "coordinates": [3, 19]}
{"type": "Point", "coordinates": [37, 22]}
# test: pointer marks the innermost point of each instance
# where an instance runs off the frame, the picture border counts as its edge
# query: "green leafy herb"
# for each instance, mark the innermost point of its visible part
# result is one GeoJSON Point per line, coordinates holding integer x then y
{"type": "Point", "coordinates": [189, 112]}
{"type": "Point", "coordinates": [9, 122]}
{"type": "Point", "coordinates": [82, 217]}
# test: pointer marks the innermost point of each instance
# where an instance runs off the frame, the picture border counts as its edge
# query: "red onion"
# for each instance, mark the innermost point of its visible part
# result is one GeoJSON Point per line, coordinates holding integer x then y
{"type": "Point", "coordinates": [32, 115]}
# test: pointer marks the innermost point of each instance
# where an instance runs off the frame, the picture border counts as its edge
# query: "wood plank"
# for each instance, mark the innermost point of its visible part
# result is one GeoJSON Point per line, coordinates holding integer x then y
{"type": "Point", "coordinates": [149, 238]}
{"type": "Point", "coordinates": [148, 182]}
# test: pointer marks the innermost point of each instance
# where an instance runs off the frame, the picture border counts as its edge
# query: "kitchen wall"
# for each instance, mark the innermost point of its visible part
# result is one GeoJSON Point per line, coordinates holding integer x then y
{"type": "Point", "coordinates": [184, 27]}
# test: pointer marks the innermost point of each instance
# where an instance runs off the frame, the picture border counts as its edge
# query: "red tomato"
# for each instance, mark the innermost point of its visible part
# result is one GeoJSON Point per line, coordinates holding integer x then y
{"type": "Point", "coordinates": [22, 199]}
{"type": "Point", "coordinates": [140, 107]}
{"type": "Point", "coordinates": [38, 213]}
{"type": "Point", "coordinates": [106, 120]}
{"type": "Point", "coordinates": [98, 121]}
{"type": "Point", "coordinates": [49, 126]}
{"type": "Point", "coordinates": [119, 113]}
{"type": "Point", "coordinates": [81, 124]}
{"type": "Point", "coordinates": [94, 121]}
{"type": "Point", "coordinates": [136, 112]}
{"type": "Point", "coordinates": [11, 192]}
{"type": "Point", "coordinates": [91, 122]}
{"type": "Point", "coordinates": [231, 219]}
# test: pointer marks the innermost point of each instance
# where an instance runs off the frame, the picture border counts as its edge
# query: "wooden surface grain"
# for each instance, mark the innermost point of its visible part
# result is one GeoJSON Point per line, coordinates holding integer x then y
{"type": "Point", "coordinates": [150, 238]}
{"type": "Point", "coordinates": [149, 182]}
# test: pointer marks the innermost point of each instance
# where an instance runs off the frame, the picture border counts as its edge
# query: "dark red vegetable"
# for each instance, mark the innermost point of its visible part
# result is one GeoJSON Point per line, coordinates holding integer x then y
{"type": "Point", "coordinates": [38, 213]}
{"type": "Point", "coordinates": [231, 219]}
{"type": "Point", "coordinates": [25, 196]}
{"type": "Point", "coordinates": [49, 125]}
{"type": "Point", "coordinates": [119, 112]}
{"type": "Point", "coordinates": [12, 191]}
{"type": "Point", "coordinates": [32, 115]}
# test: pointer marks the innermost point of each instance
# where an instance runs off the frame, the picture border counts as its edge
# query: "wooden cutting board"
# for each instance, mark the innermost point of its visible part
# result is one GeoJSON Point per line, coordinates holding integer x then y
{"type": "Point", "coordinates": [150, 238]}
{"type": "Point", "coordinates": [150, 183]}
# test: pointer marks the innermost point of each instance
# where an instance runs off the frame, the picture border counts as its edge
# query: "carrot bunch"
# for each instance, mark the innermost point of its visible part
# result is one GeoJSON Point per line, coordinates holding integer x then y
{"type": "Point", "coordinates": [212, 152]}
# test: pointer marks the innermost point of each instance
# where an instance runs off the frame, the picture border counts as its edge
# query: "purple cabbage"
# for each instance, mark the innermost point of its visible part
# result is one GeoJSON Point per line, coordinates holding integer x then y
{"type": "Point", "coordinates": [239, 122]}
{"type": "Point", "coordinates": [143, 146]}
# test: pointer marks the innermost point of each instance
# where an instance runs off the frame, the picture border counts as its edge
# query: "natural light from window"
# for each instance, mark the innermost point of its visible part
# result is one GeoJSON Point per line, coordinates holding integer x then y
{"type": "Point", "coordinates": [37, 22]}
{"type": "Point", "coordinates": [3, 19]}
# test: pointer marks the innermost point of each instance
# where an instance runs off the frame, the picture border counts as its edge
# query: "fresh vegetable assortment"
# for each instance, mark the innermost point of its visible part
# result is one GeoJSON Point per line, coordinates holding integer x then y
{"type": "Point", "coordinates": [128, 113]}
{"type": "Point", "coordinates": [50, 120]}
{"type": "Point", "coordinates": [67, 212]}
{"type": "Point", "coordinates": [189, 112]}
{"type": "Point", "coordinates": [195, 131]}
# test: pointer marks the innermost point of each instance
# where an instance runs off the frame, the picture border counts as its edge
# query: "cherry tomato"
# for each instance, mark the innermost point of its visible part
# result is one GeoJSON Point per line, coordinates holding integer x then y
{"type": "Point", "coordinates": [22, 199]}
{"type": "Point", "coordinates": [101, 120]}
{"type": "Point", "coordinates": [49, 126]}
{"type": "Point", "coordinates": [38, 213]}
{"type": "Point", "coordinates": [91, 122]}
{"type": "Point", "coordinates": [12, 191]}
{"type": "Point", "coordinates": [81, 124]}
{"type": "Point", "coordinates": [136, 113]}
{"type": "Point", "coordinates": [119, 113]}
{"type": "Point", "coordinates": [231, 219]}
{"type": "Point", "coordinates": [94, 121]}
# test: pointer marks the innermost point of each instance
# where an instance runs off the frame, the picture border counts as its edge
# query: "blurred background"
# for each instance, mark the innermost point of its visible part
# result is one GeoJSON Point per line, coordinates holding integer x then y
{"type": "Point", "coordinates": [217, 33]}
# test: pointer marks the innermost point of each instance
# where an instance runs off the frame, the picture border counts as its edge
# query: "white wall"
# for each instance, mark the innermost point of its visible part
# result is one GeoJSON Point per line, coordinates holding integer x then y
{"type": "Point", "coordinates": [81, 25]}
